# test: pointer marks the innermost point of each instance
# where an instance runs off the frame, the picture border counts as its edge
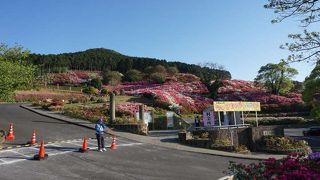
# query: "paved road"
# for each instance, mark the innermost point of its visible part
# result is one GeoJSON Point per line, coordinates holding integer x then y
{"type": "Point", "coordinates": [48, 129]}
{"type": "Point", "coordinates": [297, 133]}
{"type": "Point", "coordinates": [131, 160]}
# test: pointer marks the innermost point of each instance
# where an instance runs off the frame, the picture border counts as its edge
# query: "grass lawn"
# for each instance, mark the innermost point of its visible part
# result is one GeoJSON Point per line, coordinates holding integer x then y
{"type": "Point", "coordinates": [65, 88]}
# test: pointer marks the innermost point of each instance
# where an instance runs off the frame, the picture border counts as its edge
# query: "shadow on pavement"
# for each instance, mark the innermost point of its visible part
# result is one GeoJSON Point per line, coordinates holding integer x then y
{"type": "Point", "coordinates": [14, 157]}
{"type": "Point", "coordinates": [51, 122]}
{"type": "Point", "coordinates": [170, 140]}
{"type": "Point", "coordinates": [62, 148]}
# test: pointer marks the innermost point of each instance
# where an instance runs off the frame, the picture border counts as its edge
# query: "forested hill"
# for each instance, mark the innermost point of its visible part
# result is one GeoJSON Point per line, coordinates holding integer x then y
{"type": "Point", "coordinates": [101, 59]}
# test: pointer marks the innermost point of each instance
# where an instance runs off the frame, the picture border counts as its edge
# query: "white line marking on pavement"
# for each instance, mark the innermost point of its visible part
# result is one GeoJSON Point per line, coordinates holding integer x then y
{"type": "Point", "coordinates": [54, 145]}
{"type": "Point", "coordinates": [12, 161]}
{"type": "Point", "coordinates": [26, 153]}
{"type": "Point", "coordinates": [73, 143]}
{"type": "Point", "coordinates": [131, 144]}
{"type": "Point", "coordinates": [18, 153]}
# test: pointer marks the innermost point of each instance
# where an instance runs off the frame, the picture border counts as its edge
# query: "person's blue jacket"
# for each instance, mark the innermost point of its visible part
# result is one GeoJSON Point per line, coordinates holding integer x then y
{"type": "Point", "coordinates": [100, 127]}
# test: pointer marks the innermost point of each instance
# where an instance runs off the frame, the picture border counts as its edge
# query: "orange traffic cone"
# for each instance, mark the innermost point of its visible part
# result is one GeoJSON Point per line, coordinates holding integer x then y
{"type": "Point", "coordinates": [84, 145]}
{"type": "Point", "coordinates": [10, 136]}
{"type": "Point", "coordinates": [42, 155]}
{"type": "Point", "coordinates": [113, 144]}
{"type": "Point", "coordinates": [33, 138]}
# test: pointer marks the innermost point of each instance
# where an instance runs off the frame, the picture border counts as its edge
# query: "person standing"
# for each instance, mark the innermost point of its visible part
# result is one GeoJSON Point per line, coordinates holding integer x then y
{"type": "Point", "coordinates": [197, 121]}
{"type": "Point", "coordinates": [100, 126]}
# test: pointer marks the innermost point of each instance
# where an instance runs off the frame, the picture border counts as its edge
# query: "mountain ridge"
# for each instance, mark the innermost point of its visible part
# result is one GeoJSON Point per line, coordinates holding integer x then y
{"type": "Point", "coordinates": [102, 59]}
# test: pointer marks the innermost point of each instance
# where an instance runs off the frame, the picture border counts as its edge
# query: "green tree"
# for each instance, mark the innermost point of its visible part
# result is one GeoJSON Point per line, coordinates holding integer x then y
{"type": "Point", "coordinates": [14, 54]}
{"type": "Point", "coordinates": [277, 78]}
{"type": "Point", "coordinates": [172, 70]}
{"type": "Point", "coordinates": [15, 72]}
{"type": "Point", "coordinates": [148, 70]}
{"type": "Point", "coordinates": [312, 84]}
{"type": "Point", "coordinates": [311, 91]}
{"type": "Point", "coordinates": [96, 83]}
{"type": "Point", "coordinates": [212, 77]}
{"type": "Point", "coordinates": [158, 77]}
{"type": "Point", "coordinates": [306, 45]}
{"type": "Point", "coordinates": [133, 75]}
{"type": "Point", "coordinates": [89, 90]}
{"type": "Point", "coordinates": [112, 77]}
{"type": "Point", "coordinates": [159, 69]}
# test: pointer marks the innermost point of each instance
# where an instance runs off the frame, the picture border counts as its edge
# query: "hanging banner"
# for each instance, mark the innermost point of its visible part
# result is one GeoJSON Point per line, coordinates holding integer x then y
{"type": "Point", "coordinates": [236, 106]}
{"type": "Point", "coordinates": [169, 115]}
{"type": "Point", "coordinates": [147, 117]}
{"type": "Point", "coordinates": [208, 118]}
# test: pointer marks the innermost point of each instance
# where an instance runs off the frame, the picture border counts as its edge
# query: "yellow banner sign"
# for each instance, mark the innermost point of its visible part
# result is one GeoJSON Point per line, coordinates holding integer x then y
{"type": "Point", "coordinates": [236, 106]}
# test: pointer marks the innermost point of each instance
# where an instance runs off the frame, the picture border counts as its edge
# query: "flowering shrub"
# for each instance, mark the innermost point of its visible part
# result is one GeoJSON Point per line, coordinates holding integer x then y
{"type": "Point", "coordinates": [128, 108]}
{"type": "Point", "coordinates": [57, 102]}
{"type": "Point", "coordinates": [92, 113]}
{"type": "Point", "coordinates": [70, 77]}
{"type": "Point", "coordinates": [294, 166]}
{"type": "Point", "coordinates": [187, 92]}
{"type": "Point", "coordinates": [239, 90]}
{"type": "Point", "coordinates": [186, 95]}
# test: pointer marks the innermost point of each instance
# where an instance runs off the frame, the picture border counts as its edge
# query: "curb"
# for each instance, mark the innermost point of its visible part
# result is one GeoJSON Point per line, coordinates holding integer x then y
{"type": "Point", "coordinates": [182, 147]}
{"type": "Point", "coordinates": [46, 115]}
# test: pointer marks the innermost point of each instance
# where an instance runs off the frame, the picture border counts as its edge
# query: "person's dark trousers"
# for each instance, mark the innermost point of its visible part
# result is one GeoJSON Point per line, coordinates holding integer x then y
{"type": "Point", "coordinates": [100, 140]}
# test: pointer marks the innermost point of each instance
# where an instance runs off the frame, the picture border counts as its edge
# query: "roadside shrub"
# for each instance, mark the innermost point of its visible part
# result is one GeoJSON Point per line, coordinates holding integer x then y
{"type": "Point", "coordinates": [87, 113]}
{"type": "Point", "coordinates": [222, 142]}
{"type": "Point", "coordinates": [204, 135]}
{"type": "Point", "coordinates": [54, 108]}
{"type": "Point", "coordinates": [241, 148]}
{"type": "Point", "coordinates": [294, 166]}
{"type": "Point", "coordinates": [280, 144]}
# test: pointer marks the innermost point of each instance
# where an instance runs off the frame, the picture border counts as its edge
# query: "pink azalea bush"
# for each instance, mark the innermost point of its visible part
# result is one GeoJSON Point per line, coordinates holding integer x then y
{"type": "Point", "coordinates": [186, 95]}
{"type": "Point", "coordinates": [191, 95]}
{"type": "Point", "coordinates": [128, 108]}
{"type": "Point", "coordinates": [70, 77]}
{"type": "Point", "coordinates": [239, 90]}
{"type": "Point", "coordinates": [295, 166]}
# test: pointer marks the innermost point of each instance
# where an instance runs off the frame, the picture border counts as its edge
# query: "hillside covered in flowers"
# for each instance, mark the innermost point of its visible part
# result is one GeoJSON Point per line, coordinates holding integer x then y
{"type": "Point", "coordinates": [191, 95]}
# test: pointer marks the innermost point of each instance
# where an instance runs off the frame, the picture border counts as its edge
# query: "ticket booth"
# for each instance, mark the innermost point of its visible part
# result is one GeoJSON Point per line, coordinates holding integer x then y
{"type": "Point", "coordinates": [229, 113]}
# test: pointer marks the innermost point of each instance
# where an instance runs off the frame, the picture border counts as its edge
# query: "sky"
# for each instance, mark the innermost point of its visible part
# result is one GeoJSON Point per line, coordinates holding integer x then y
{"type": "Point", "coordinates": [236, 34]}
